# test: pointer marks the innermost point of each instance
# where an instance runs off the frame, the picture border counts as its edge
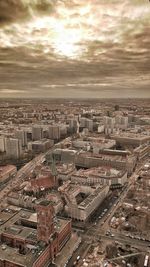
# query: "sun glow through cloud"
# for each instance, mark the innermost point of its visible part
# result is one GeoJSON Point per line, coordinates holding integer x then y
{"type": "Point", "coordinates": [92, 45]}
{"type": "Point", "coordinates": [68, 31]}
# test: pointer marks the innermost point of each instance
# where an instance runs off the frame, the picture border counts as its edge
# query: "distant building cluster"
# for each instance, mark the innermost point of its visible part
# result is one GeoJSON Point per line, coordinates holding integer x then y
{"type": "Point", "coordinates": [76, 155]}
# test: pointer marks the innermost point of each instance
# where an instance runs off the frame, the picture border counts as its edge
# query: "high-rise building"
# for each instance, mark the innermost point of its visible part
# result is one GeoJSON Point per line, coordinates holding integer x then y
{"type": "Point", "coordinates": [13, 148]}
{"type": "Point", "coordinates": [37, 133]}
{"type": "Point", "coordinates": [73, 125]}
{"type": "Point", "coordinates": [89, 125]}
{"type": "Point", "coordinates": [121, 122]}
{"type": "Point", "coordinates": [54, 132]}
{"type": "Point", "coordinates": [86, 123]}
{"type": "Point", "coordinates": [22, 136]}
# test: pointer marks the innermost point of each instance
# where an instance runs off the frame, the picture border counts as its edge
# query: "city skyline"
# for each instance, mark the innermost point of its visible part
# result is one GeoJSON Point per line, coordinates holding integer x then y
{"type": "Point", "coordinates": [71, 49]}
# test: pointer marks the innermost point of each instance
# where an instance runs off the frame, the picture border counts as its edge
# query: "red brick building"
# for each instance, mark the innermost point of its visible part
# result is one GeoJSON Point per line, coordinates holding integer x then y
{"type": "Point", "coordinates": [42, 182]}
{"type": "Point", "coordinates": [32, 240]}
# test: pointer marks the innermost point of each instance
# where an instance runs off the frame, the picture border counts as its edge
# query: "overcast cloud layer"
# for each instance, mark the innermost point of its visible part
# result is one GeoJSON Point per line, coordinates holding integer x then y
{"type": "Point", "coordinates": [74, 48]}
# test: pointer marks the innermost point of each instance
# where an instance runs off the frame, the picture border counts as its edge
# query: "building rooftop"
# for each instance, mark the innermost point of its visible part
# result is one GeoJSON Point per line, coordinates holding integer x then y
{"type": "Point", "coordinates": [44, 203]}
{"type": "Point", "coordinates": [65, 168]}
{"type": "Point", "coordinates": [107, 157]}
{"type": "Point", "coordinates": [6, 169]}
{"type": "Point", "coordinates": [99, 172]}
{"type": "Point", "coordinates": [9, 253]}
{"type": "Point", "coordinates": [12, 225]}
{"type": "Point", "coordinates": [90, 198]}
{"type": "Point", "coordinates": [129, 135]}
{"type": "Point", "coordinates": [59, 224]}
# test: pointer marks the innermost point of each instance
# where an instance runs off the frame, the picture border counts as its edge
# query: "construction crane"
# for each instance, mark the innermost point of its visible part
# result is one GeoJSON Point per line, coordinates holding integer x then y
{"type": "Point", "coordinates": [125, 256]}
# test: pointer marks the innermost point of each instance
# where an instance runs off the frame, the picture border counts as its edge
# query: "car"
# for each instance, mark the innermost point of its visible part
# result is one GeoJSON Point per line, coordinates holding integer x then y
{"type": "Point", "coordinates": [78, 257]}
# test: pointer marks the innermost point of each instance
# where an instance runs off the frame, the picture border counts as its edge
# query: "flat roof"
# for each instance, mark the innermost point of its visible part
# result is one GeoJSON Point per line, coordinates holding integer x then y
{"type": "Point", "coordinates": [6, 169]}
{"type": "Point", "coordinates": [60, 223]}
{"type": "Point", "coordinates": [12, 255]}
{"type": "Point", "coordinates": [128, 135]}
{"type": "Point", "coordinates": [103, 156]}
{"type": "Point", "coordinates": [91, 197]}
{"type": "Point", "coordinates": [98, 172]}
{"type": "Point", "coordinates": [44, 203]}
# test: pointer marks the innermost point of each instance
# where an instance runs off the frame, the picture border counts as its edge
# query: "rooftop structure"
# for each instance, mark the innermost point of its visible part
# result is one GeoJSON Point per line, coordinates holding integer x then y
{"type": "Point", "coordinates": [100, 175]}
{"type": "Point", "coordinates": [64, 171]}
{"type": "Point", "coordinates": [94, 143]}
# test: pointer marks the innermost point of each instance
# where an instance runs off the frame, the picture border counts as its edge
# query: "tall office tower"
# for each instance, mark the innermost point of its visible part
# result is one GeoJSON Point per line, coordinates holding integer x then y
{"type": "Point", "coordinates": [83, 122]}
{"type": "Point", "coordinates": [86, 123]}
{"type": "Point", "coordinates": [37, 133]}
{"type": "Point", "coordinates": [13, 148]}
{"type": "Point", "coordinates": [22, 136]}
{"type": "Point", "coordinates": [121, 122]}
{"type": "Point", "coordinates": [118, 120]}
{"type": "Point", "coordinates": [45, 220]}
{"type": "Point", "coordinates": [54, 132]}
{"type": "Point", "coordinates": [109, 121]}
{"type": "Point", "coordinates": [109, 124]}
{"type": "Point", "coordinates": [124, 122]}
{"type": "Point", "coordinates": [89, 125]}
{"type": "Point", "coordinates": [73, 125]}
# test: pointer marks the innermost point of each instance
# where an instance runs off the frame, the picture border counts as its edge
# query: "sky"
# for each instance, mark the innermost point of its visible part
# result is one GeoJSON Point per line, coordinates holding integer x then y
{"type": "Point", "coordinates": [75, 48]}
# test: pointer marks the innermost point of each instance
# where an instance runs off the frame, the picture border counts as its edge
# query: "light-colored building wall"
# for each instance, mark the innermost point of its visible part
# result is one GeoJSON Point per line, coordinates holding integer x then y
{"type": "Point", "coordinates": [86, 208]}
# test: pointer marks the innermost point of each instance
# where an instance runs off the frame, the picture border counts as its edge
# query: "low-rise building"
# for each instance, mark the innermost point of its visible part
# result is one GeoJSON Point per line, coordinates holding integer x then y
{"type": "Point", "coordinates": [100, 175]}
{"type": "Point", "coordinates": [93, 142]}
{"type": "Point", "coordinates": [7, 172]}
{"type": "Point", "coordinates": [64, 171]}
{"type": "Point", "coordinates": [122, 162]}
{"type": "Point", "coordinates": [82, 200]}
{"type": "Point", "coordinates": [130, 139]}
{"type": "Point", "coordinates": [142, 151]}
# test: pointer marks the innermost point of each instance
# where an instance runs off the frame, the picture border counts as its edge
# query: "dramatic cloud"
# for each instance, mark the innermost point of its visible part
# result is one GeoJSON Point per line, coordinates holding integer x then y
{"type": "Point", "coordinates": [75, 48]}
